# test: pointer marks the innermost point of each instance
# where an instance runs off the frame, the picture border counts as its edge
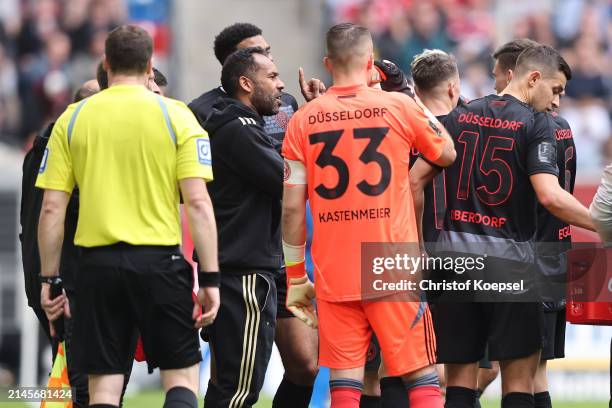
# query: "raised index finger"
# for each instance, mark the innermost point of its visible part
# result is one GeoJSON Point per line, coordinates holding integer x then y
{"type": "Point", "coordinates": [301, 78]}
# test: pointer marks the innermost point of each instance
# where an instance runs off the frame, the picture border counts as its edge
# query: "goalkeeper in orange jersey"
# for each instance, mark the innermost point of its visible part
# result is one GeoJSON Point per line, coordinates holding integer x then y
{"type": "Point", "coordinates": [348, 152]}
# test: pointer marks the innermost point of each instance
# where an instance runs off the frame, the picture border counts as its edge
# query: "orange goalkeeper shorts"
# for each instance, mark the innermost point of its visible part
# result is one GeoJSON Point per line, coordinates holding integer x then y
{"type": "Point", "coordinates": [404, 330]}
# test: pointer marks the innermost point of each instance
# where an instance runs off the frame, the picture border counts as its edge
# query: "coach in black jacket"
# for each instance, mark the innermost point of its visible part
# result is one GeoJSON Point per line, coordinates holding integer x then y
{"type": "Point", "coordinates": [246, 196]}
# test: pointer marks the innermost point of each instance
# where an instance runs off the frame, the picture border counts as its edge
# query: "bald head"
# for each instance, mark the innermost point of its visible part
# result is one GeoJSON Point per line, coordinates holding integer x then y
{"type": "Point", "coordinates": [349, 45]}
{"type": "Point", "coordinates": [86, 90]}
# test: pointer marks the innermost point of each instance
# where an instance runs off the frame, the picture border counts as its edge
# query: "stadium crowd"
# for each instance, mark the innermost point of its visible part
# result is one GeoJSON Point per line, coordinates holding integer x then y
{"type": "Point", "coordinates": [471, 30]}
{"type": "Point", "coordinates": [48, 48]}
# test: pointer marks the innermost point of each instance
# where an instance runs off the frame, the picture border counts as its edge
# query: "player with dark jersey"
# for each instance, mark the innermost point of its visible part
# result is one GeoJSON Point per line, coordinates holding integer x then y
{"type": "Point", "coordinates": [506, 164]}
{"type": "Point", "coordinates": [550, 258]}
{"type": "Point", "coordinates": [299, 357]}
{"type": "Point", "coordinates": [554, 239]}
{"type": "Point", "coordinates": [436, 89]}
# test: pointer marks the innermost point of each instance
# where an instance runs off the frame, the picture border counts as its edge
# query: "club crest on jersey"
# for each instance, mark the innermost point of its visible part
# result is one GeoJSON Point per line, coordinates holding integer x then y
{"type": "Point", "coordinates": [43, 163]}
{"type": "Point", "coordinates": [204, 156]}
{"type": "Point", "coordinates": [282, 119]}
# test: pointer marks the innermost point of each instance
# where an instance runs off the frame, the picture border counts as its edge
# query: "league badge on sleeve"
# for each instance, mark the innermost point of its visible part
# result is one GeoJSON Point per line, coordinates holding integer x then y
{"type": "Point", "coordinates": [547, 153]}
{"type": "Point", "coordinates": [43, 162]}
{"type": "Point", "coordinates": [204, 155]}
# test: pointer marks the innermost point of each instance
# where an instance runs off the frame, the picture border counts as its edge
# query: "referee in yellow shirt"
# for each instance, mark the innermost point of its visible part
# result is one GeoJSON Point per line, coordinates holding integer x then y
{"type": "Point", "coordinates": [129, 151]}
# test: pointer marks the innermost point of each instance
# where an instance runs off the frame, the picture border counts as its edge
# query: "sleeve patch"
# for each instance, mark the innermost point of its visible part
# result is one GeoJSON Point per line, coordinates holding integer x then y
{"type": "Point", "coordinates": [204, 154]}
{"type": "Point", "coordinates": [547, 153]}
{"type": "Point", "coordinates": [43, 162]}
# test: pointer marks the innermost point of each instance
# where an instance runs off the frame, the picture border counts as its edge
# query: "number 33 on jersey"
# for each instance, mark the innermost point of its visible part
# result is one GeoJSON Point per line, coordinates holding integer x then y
{"type": "Point", "coordinates": [351, 147]}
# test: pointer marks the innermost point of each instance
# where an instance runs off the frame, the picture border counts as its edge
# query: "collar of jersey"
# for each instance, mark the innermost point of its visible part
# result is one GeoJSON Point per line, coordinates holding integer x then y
{"type": "Point", "coordinates": [127, 86]}
{"type": "Point", "coordinates": [514, 98]}
{"type": "Point", "coordinates": [343, 90]}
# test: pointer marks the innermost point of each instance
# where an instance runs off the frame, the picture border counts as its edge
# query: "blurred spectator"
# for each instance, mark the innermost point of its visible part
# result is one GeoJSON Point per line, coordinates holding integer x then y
{"type": "Point", "coordinates": [586, 106]}
{"type": "Point", "coordinates": [391, 42]}
{"type": "Point", "coordinates": [9, 103]}
{"type": "Point", "coordinates": [427, 32]}
{"type": "Point", "coordinates": [476, 81]}
{"type": "Point", "coordinates": [48, 48]}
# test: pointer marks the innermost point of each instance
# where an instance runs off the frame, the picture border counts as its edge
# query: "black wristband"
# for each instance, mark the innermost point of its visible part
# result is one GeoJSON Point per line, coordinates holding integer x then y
{"type": "Point", "coordinates": [51, 280]}
{"type": "Point", "coordinates": [209, 279]}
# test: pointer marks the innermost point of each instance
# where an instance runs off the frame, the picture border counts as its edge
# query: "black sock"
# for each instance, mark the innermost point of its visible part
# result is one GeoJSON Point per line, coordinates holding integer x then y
{"type": "Point", "coordinates": [393, 393]}
{"type": "Point", "coordinates": [292, 395]}
{"type": "Point", "coordinates": [180, 397]}
{"type": "Point", "coordinates": [478, 395]}
{"type": "Point", "coordinates": [103, 406]}
{"type": "Point", "coordinates": [369, 401]}
{"type": "Point", "coordinates": [542, 400]}
{"type": "Point", "coordinates": [518, 400]}
{"type": "Point", "coordinates": [460, 397]}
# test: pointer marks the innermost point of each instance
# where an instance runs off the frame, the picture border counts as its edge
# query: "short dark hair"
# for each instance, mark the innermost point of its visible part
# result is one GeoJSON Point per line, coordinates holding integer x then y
{"type": "Point", "coordinates": [431, 68]}
{"type": "Point", "coordinates": [159, 78]}
{"type": "Point", "coordinates": [342, 40]}
{"type": "Point", "coordinates": [128, 49]}
{"type": "Point", "coordinates": [227, 40]}
{"type": "Point", "coordinates": [240, 63]}
{"type": "Point", "coordinates": [507, 54]}
{"type": "Point", "coordinates": [101, 76]}
{"type": "Point", "coordinates": [83, 92]}
{"type": "Point", "coordinates": [543, 58]}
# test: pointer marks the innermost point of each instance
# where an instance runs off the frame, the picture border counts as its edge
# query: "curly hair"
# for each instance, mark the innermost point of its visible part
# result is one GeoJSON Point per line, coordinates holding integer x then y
{"type": "Point", "coordinates": [227, 40]}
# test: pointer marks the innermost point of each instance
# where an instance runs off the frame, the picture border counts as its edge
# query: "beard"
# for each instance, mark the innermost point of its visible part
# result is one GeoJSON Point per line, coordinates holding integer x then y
{"type": "Point", "coordinates": [265, 104]}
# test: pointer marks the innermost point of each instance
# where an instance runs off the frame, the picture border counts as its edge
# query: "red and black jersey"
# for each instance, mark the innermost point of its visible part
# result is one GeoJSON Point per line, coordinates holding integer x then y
{"type": "Point", "coordinates": [500, 142]}
{"type": "Point", "coordinates": [434, 206]}
{"type": "Point", "coordinates": [554, 235]}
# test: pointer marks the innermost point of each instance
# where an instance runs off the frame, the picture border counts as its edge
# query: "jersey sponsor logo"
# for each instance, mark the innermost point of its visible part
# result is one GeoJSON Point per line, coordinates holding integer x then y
{"type": "Point", "coordinates": [247, 121]}
{"type": "Point", "coordinates": [43, 162]}
{"type": "Point", "coordinates": [562, 134]}
{"type": "Point", "coordinates": [477, 218]}
{"type": "Point", "coordinates": [486, 121]}
{"type": "Point", "coordinates": [565, 232]}
{"type": "Point", "coordinates": [204, 155]}
{"type": "Point", "coordinates": [367, 113]}
{"type": "Point", "coordinates": [547, 153]}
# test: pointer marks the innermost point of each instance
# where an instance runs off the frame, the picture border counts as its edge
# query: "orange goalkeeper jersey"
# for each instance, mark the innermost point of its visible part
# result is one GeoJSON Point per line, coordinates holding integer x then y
{"type": "Point", "coordinates": [355, 144]}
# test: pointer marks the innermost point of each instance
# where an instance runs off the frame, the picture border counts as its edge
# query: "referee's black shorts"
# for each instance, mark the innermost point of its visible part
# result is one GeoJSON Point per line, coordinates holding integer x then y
{"type": "Point", "coordinates": [123, 290]}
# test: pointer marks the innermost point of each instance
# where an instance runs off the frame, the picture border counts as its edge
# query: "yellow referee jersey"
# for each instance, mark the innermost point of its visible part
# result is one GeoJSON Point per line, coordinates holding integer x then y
{"type": "Point", "coordinates": [126, 148]}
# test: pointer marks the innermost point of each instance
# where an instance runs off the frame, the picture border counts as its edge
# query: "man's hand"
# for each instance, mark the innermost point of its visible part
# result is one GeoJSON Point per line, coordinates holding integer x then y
{"type": "Point", "coordinates": [209, 299]}
{"type": "Point", "coordinates": [300, 294]}
{"type": "Point", "coordinates": [54, 308]}
{"type": "Point", "coordinates": [311, 89]}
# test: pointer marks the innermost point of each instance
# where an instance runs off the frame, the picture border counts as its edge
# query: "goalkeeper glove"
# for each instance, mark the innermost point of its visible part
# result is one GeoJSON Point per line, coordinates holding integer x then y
{"type": "Point", "coordinates": [392, 78]}
{"type": "Point", "coordinates": [300, 294]}
{"type": "Point", "coordinates": [300, 291]}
